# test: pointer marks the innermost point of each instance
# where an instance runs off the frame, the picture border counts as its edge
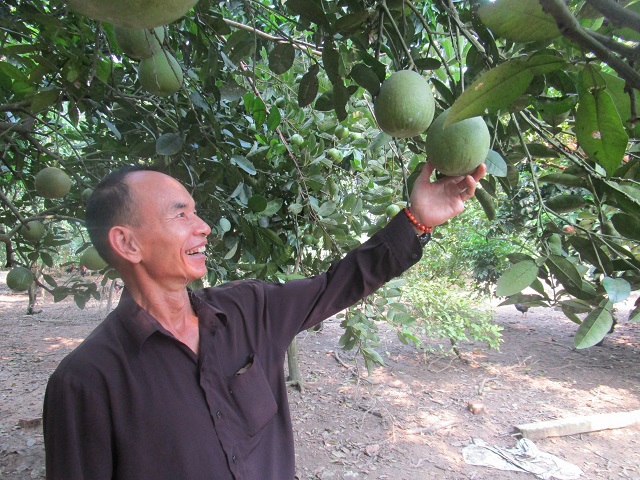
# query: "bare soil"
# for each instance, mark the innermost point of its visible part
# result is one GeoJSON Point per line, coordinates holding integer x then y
{"type": "Point", "coordinates": [407, 421]}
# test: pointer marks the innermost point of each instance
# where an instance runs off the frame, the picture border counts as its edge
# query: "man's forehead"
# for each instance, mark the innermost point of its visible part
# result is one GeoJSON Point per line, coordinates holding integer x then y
{"type": "Point", "coordinates": [159, 189]}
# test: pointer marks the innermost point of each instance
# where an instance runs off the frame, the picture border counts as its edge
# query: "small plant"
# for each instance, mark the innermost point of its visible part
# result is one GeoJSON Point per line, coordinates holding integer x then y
{"type": "Point", "coordinates": [447, 312]}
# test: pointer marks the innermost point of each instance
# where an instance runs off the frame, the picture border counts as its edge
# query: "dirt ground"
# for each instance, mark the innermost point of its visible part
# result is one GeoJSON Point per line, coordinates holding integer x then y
{"type": "Point", "coordinates": [407, 421]}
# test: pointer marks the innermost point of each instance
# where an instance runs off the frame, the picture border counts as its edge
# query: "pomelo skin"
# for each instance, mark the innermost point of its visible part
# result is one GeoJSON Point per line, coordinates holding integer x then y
{"type": "Point", "coordinates": [405, 105]}
{"type": "Point", "coordinates": [160, 74]}
{"type": "Point", "coordinates": [459, 148]}
{"type": "Point", "coordinates": [34, 233]}
{"type": "Point", "coordinates": [133, 13]}
{"type": "Point", "coordinates": [92, 260]}
{"type": "Point", "coordinates": [19, 279]}
{"type": "Point", "coordinates": [139, 42]}
{"type": "Point", "coordinates": [51, 182]}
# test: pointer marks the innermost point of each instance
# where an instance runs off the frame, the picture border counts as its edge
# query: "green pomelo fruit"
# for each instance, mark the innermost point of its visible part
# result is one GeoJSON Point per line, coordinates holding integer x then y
{"type": "Point", "coordinates": [19, 279]}
{"type": "Point", "coordinates": [296, 139]}
{"type": "Point", "coordinates": [133, 13]}
{"type": "Point", "coordinates": [92, 260]}
{"type": "Point", "coordinates": [86, 194]}
{"type": "Point", "coordinates": [342, 132]}
{"type": "Point", "coordinates": [392, 210]}
{"type": "Point", "coordinates": [459, 148]}
{"type": "Point", "coordinates": [51, 182]}
{"type": "Point", "coordinates": [308, 239]}
{"type": "Point", "coordinates": [405, 105]}
{"type": "Point", "coordinates": [34, 232]}
{"type": "Point", "coordinates": [160, 74]}
{"type": "Point", "coordinates": [139, 42]}
{"type": "Point", "coordinates": [335, 155]}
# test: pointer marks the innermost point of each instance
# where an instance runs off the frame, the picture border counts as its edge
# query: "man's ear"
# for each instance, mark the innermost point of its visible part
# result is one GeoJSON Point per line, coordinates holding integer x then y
{"type": "Point", "coordinates": [124, 244]}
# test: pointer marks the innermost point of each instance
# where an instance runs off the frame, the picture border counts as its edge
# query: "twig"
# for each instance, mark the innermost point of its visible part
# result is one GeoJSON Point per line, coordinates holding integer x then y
{"type": "Point", "coordinates": [571, 29]}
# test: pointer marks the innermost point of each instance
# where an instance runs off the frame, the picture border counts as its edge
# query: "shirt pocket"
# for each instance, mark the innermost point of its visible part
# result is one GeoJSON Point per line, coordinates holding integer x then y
{"type": "Point", "coordinates": [253, 397]}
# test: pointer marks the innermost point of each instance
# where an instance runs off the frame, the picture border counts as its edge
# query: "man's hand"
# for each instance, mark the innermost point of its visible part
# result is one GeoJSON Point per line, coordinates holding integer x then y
{"type": "Point", "coordinates": [433, 203]}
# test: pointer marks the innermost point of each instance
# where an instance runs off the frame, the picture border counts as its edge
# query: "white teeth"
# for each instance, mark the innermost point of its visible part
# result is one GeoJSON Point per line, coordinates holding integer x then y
{"type": "Point", "coordinates": [196, 250]}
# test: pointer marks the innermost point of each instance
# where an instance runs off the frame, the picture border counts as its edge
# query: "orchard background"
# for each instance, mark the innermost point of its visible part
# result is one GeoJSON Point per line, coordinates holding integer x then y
{"type": "Point", "coordinates": [272, 130]}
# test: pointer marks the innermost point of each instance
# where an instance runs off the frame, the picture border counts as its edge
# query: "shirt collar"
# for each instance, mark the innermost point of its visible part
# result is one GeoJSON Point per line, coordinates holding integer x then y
{"type": "Point", "coordinates": [141, 324]}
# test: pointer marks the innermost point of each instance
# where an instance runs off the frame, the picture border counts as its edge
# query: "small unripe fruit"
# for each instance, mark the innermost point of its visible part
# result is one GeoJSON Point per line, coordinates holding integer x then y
{"type": "Point", "coordinates": [342, 132]}
{"type": "Point", "coordinates": [86, 193]}
{"type": "Point", "coordinates": [92, 260]}
{"type": "Point", "coordinates": [392, 210]}
{"type": "Point", "coordinates": [33, 231]}
{"type": "Point", "coordinates": [160, 74]}
{"type": "Point", "coordinates": [51, 182]}
{"type": "Point", "coordinates": [19, 279]}
{"type": "Point", "coordinates": [335, 155]}
{"type": "Point", "coordinates": [297, 139]}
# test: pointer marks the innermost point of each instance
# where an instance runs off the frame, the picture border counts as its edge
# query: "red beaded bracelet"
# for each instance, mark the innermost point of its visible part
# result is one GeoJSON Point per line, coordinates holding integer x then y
{"type": "Point", "coordinates": [417, 224]}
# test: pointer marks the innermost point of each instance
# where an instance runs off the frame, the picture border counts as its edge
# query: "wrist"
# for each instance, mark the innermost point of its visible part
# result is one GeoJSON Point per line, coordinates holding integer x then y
{"type": "Point", "coordinates": [423, 232]}
{"type": "Point", "coordinates": [416, 224]}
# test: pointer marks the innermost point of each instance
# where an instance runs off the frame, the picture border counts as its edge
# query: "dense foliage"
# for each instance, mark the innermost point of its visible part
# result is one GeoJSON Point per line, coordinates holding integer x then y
{"type": "Point", "coordinates": [272, 130]}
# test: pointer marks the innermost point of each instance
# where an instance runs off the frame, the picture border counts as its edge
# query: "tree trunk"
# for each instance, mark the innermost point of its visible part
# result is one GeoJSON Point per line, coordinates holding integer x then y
{"type": "Point", "coordinates": [295, 378]}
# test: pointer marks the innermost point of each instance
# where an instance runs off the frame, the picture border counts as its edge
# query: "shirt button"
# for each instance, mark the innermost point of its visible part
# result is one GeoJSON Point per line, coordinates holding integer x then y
{"type": "Point", "coordinates": [218, 414]}
{"type": "Point", "coordinates": [234, 459]}
{"type": "Point", "coordinates": [414, 256]}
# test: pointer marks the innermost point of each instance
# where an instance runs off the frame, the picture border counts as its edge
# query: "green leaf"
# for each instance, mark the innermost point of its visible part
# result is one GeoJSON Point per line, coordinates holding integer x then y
{"type": "Point", "coordinates": [308, 88]}
{"type": "Point", "coordinates": [257, 203]}
{"type": "Point", "coordinates": [565, 271]}
{"type": "Point", "coordinates": [519, 20]}
{"type": "Point", "coordinates": [626, 225]}
{"type": "Point", "coordinates": [496, 165]}
{"type": "Point", "coordinates": [281, 58]}
{"type": "Point", "coordinates": [331, 60]}
{"type": "Point", "coordinates": [634, 315]}
{"type": "Point", "coordinates": [244, 164]}
{"type": "Point", "coordinates": [618, 289]}
{"type": "Point", "coordinates": [309, 10]}
{"type": "Point", "coordinates": [499, 87]}
{"type": "Point", "coordinates": [593, 328]}
{"type": "Point", "coordinates": [274, 118]}
{"type": "Point", "coordinates": [599, 129]}
{"type": "Point", "coordinates": [427, 63]}
{"type": "Point", "coordinates": [350, 21]}
{"type": "Point", "coordinates": [516, 278]}
{"type": "Point", "coordinates": [43, 100]}
{"type": "Point", "coordinates": [366, 78]}
{"type": "Point", "coordinates": [169, 144]}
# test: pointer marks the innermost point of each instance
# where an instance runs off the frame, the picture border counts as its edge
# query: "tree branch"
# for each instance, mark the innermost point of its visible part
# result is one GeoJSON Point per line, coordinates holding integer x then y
{"type": "Point", "coordinates": [627, 51]}
{"type": "Point", "coordinates": [620, 16]}
{"type": "Point", "coordinates": [299, 44]}
{"type": "Point", "coordinates": [571, 29]}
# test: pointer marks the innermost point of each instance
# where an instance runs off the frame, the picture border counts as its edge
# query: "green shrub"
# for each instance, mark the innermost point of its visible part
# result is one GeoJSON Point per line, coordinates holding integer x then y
{"type": "Point", "coordinates": [446, 312]}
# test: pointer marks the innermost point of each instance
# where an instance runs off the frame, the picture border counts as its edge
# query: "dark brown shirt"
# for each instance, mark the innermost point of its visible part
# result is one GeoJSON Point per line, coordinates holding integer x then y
{"type": "Point", "coordinates": [133, 403]}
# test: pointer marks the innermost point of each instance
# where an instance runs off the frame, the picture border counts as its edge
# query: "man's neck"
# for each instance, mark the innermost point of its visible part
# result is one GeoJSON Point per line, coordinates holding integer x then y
{"type": "Point", "coordinates": [171, 308]}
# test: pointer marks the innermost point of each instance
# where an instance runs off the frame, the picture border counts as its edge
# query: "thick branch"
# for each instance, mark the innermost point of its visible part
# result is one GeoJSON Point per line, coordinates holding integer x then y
{"type": "Point", "coordinates": [620, 16]}
{"type": "Point", "coordinates": [627, 51]}
{"type": "Point", "coordinates": [571, 29]}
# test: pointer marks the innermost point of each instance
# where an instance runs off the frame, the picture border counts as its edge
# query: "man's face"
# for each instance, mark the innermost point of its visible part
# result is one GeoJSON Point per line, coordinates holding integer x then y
{"type": "Point", "coordinates": [170, 234]}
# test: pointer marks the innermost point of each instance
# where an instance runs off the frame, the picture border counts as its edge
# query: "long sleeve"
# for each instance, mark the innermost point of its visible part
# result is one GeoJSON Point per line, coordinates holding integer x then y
{"type": "Point", "coordinates": [361, 272]}
{"type": "Point", "coordinates": [77, 428]}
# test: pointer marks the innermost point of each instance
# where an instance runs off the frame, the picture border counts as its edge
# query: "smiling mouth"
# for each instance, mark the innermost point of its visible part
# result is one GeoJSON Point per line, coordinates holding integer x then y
{"type": "Point", "coordinates": [195, 251]}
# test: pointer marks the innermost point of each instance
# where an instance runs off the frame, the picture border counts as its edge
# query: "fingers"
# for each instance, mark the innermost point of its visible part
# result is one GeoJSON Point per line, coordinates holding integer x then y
{"type": "Point", "coordinates": [479, 172]}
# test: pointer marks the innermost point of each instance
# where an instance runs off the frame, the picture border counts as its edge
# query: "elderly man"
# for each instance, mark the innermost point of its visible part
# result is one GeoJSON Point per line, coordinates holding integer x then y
{"type": "Point", "coordinates": [189, 385]}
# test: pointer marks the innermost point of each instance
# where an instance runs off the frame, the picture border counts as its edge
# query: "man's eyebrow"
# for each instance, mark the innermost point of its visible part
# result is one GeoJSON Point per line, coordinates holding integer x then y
{"type": "Point", "coordinates": [178, 206]}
